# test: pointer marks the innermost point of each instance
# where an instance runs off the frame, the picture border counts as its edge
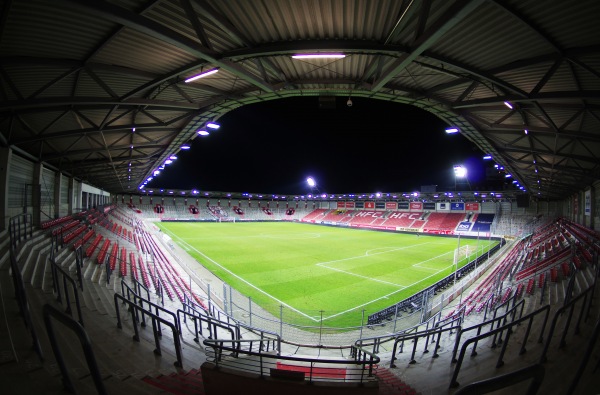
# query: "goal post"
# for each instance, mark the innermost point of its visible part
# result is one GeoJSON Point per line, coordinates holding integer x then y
{"type": "Point", "coordinates": [462, 253]}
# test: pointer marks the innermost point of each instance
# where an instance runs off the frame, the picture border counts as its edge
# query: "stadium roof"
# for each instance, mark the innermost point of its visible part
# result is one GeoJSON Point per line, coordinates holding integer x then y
{"type": "Point", "coordinates": [78, 77]}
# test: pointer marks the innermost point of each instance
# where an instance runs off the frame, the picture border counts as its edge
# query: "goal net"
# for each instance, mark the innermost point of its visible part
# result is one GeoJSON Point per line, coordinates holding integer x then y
{"type": "Point", "coordinates": [463, 253]}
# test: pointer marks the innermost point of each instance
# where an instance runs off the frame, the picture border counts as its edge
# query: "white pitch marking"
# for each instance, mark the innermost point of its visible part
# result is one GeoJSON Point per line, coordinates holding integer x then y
{"type": "Point", "coordinates": [241, 279]}
{"type": "Point", "coordinates": [367, 254]}
{"type": "Point", "coordinates": [361, 276]}
{"type": "Point", "coordinates": [430, 259]}
{"type": "Point", "coordinates": [383, 297]}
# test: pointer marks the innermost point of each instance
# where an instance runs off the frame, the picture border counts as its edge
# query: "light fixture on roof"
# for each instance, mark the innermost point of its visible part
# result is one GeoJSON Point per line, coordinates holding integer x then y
{"type": "Point", "coordinates": [460, 171]}
{"type": "Point", "coordinates": [173, 157]}
{"type": "Point", "coordinates": [168, 162]}
{"type": "Point", "coordinates": [452, 130]}
{"type": "Point", "coordinates": [507, 104]}
{"type": "Point", "coordinates": [212, 125]}
{"type": "Point", "coordinates": [487, 157]}
{"type": "Point", "coordinates": [202, 75]}
{"type": "Point", "coordinates": [526, 131]}
{"type": "Point", "coordinates": [203, 133]}
{"type": "Point", "coordinates": [319, 56]}
{"type": "Point", "coordinates": [186, 146]}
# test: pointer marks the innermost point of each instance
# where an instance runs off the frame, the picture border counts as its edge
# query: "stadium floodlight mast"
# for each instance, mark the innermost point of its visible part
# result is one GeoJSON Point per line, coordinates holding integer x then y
{"type": "Point", "coordinates": [460, 173]}
{"type": "Point", "coordinates": [312, 184]}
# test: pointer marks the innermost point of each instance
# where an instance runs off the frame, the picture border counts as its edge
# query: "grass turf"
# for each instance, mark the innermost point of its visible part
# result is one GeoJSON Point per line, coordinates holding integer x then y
{"type": "Point", "coordinates": [315, 271]}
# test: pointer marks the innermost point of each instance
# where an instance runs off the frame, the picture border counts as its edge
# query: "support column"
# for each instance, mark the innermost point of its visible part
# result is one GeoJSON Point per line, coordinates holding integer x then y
{"type": "Point", "coordinates": [57, 188]}
{"type": "Point", "coordinates": [36, 194]}
{"type": "Point", "coordinates": [70, 196]}
{"type": "Point", "coordinates": [5, 160]}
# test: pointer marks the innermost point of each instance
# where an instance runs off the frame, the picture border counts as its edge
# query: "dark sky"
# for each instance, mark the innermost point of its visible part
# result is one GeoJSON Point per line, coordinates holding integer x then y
{"type": "Point", "coordinates": [373, 146]}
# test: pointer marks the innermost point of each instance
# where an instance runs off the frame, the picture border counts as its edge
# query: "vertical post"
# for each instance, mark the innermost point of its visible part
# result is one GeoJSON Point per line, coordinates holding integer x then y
{"type": "Point", "coordinates": [208, 293]}
{"type": "Point", "coordinates": [395, 318]}
{"type": "Point", "coordinates": [321, 328]}
{"type": "Point", "coordinates": [362, 323]}
{"type": "Point", "coordinates": [250, 308]}
{"type": "Point", "coordinates": [225, 298]}
{"type": "Point", "coordinates": [281, 320]}
{"type": "Point", "coordinates": [456, 264]}
{"type": "Point", "coordinates": [230, 302]}
{"type": "Point", "coordinates": [477, 253]}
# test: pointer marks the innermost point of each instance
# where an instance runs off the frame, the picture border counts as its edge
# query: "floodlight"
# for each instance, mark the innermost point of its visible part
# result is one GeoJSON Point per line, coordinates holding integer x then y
{"type": "Point", "coordinates": [507, 104]}
{"type": "Point", "coordinates": [185, 147]}
{"type": "Point", "coordinates": [168, 162]}
{"type": "Point", "coordinates": [487, 157]}
{"type": "Point", "coordinates": [203, 133]}
{"type": "Point", "coordinates": [213, 125]}
{"type": "Point", "coordinates": [452, 130]}
{"type": "Point", "coordinates": [460, 171]}
{"type": "Point", "coordinates": [311, 182]}
{"type": "Point", "coordinates": [202, 75]}
{"type": "Point", "coordinates": [319, 56]}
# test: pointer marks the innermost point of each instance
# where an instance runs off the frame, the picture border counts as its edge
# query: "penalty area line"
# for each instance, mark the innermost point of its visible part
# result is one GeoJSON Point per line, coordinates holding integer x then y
{"type": "Point", "coordinates": [384, 296]}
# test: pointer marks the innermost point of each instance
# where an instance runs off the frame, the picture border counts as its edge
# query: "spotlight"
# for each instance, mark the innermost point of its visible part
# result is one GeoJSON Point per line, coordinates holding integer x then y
{"type": "Point", "coordinates": [349, 102]}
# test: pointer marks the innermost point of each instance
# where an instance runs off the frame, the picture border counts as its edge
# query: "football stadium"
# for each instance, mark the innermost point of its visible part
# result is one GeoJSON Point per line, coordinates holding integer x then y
{"type": "Point", "coordinates": [134, 260]}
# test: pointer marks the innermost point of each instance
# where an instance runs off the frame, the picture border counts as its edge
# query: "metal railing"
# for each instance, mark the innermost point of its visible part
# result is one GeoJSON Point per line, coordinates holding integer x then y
{"type": "Point", "coordinates": [508, 329]}
{"type": "Point", "coordinates": [51, 312]}
{"type": "Point", "coordinates": [585, 298]}
{"type": "Point", "coordinates": [19, 227]}
{"type": "Point", "coordinates": [256, 357]}
{"type": "Point", "coordinates": [156, 321]}
{"type": "Point", "coordinates": [534, 373]}
{"type": "Point", "coordinates": [23, 303]}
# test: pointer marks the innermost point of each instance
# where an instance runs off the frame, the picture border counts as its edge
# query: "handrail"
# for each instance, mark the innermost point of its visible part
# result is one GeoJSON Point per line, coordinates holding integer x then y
{"type": "Point", "coordinates": [138, 287]}
{"type": "Point", "coordinates": [51, 312]}
{"type": "Point", "coordinates": [415, 338]}
{"type": "Point", "coordinates": [212, 326]}
{"type": "Point", "coordinates": [66, 278]}
{"type": "Point", "coordinates": [534, 372]}
{"type": "Point", "coordinates": [23, 303]}
{"type": "Point", "coordinates": [362, 359]}
{"type": "Point", "coordinates": [16, 231]}
{"type": "Point", "coordinates": [209, 318]}
{"type": "Point", "coordinates": [571, 307]}
{"type": "Point", "coordinates": [137, 299]}
{"type": "Point", "coordinates": [133, 308]}
{"type": "Point", "coordinates": [586, 357]}
{"type": "Point", "coordinates": [490, 322]}
{"type": "Point", "coordinates": [508, 328]}
{"type": "Point", "coordinates": [260, 331]}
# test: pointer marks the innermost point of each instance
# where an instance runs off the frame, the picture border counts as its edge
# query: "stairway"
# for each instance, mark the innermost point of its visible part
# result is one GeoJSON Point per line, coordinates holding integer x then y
{"type": "Point", "coordinates": [390, 384]}
{"type": "Point", "coordinates": [180, 383]}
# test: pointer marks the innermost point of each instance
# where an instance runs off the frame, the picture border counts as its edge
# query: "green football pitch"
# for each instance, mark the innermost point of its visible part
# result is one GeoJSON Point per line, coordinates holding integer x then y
{"type": "Point", "coordinates": [322, 273]}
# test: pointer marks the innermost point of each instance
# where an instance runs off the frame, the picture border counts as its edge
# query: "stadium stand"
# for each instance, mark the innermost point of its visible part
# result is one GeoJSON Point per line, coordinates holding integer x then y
{"type": "Point", "coordinates": [496, 290]}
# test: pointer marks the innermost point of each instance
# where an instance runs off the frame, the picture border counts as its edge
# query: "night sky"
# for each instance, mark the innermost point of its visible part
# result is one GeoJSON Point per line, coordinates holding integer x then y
{"type": "Point", "coordinates": [373, 146]}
